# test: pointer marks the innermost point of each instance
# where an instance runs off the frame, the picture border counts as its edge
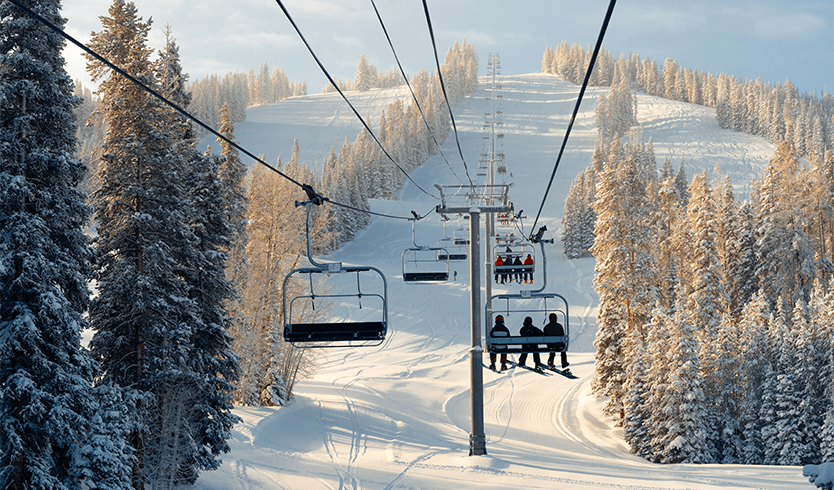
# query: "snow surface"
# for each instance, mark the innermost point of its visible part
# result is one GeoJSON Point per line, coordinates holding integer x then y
{"type": "Point", "coordinates": [398, 416]}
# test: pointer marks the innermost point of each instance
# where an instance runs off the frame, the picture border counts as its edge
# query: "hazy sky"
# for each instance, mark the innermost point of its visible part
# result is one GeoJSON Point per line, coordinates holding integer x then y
{"type": "Point", "coordinates": [775, 40]}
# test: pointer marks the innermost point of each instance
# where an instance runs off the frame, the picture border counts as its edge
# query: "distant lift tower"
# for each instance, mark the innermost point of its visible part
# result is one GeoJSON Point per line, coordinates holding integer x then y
{"type": "Point", "coordinates": [492, 159]}
{"type": "Point", "coordinates": [474, 200]}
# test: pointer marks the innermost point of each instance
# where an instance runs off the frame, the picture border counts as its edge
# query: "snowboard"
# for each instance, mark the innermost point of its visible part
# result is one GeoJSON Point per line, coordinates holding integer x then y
{"type": "Point", "coordinates": [543, 372]}
{"type": "Point", "coordinates": [563, 373]}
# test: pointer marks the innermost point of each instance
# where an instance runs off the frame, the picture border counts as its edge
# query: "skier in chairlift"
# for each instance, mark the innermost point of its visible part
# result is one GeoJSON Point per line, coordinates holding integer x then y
{"type": "Point", "coordinates": [530, 330]}
{"type": "Point", "coordinates": [517, 269]}
{"type": "Point", "coordinates": [555, 329]}
{"type": "Point", "coordinates": [528, 274]}
{"type": "Point", "coordinates": [499, 330]}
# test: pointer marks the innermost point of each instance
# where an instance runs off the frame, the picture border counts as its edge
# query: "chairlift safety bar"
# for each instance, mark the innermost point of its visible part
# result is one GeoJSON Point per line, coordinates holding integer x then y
{"type": "Point", "coordinates": [461, 199]}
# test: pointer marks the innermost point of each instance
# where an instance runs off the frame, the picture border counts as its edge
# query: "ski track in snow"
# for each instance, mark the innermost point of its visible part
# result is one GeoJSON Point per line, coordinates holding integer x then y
{"type": "Point", "coordinates": [397, 416]}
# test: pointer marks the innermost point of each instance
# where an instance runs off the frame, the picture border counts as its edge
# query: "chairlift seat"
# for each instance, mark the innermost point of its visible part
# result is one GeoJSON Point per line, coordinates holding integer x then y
{"type": "Point", "coordinates": [451, 256]}
{"type": "Point", "coordinates": [334, 332]}
{"type": "Point", "coordinates": [515, 268]}
{"type": "Point", "coordinates": [436, 276]}
{"type": "Point", "coordinates": [517, 344]}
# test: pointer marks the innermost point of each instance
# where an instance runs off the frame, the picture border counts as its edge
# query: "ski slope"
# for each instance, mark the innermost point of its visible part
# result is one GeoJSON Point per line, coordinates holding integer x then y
{"type": "Point", "coordinates": [398, 416]}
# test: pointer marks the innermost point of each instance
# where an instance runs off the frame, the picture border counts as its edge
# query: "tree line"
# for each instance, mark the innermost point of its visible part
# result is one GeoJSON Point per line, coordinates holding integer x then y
{"type": "Point", "coordinates": [777, 112]}
{"type": "Point", "coordinates": [715, 328]}
{"type": "Point", "coordinates": [185, 253]}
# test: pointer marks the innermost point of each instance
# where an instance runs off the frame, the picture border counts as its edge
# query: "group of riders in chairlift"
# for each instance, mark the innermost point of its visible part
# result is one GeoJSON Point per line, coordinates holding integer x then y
{"type": "Point", "coordinates": [520, 271]}
{"type": "Point", "coordinates": [552, 329]}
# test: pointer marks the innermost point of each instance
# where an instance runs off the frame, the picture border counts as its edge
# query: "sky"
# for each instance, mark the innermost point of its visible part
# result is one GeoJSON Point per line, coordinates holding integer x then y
{"type": "Point", "coordinates": [775, 40]}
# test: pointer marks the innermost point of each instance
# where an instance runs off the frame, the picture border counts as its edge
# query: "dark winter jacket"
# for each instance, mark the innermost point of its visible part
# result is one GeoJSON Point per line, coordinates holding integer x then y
{"type": "Point", "coordinates": [530, 330]}
{"type": "Point", "coordinates": [554, 329]}
{"type": "Point", "coordinates": [499, 330]}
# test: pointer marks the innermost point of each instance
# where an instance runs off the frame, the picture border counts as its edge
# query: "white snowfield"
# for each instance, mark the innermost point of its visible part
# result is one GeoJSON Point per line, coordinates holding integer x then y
{"type": "Point", "coordinates": [398, 416]}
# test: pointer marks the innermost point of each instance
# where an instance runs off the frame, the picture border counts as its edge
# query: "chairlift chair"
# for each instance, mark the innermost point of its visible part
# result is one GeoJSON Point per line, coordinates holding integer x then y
{"type": "Point", "coordinates": [514, 308]}
{"type": "Point", "coordinates": [456, 252]}
{"type": "Point", "coordinates": [511, 249]}
{"type": "Point", "coordinates": [365, 333]}
{"type": "Point", "coordinates": [460, 237]}
{"type": "Point", "coordinates": [424, 264]}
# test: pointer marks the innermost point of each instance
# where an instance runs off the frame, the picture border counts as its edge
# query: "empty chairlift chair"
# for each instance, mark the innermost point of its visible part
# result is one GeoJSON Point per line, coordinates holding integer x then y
{"type": "Point", "coordinates": [455, 251]}
{"type": "Point", "coordinates": [424, 264]}
{"type": "Point", "coordinates": [368, 330]}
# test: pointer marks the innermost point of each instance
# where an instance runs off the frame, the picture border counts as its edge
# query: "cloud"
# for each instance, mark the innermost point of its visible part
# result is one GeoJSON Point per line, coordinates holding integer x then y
{"type": "Point", "coordinates": [789, 26]}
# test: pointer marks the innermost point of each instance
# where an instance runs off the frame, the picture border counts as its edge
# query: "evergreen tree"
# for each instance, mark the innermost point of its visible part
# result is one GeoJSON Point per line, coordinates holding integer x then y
{"type": "Point", "coordinates": [636, 426]}
{"type": "Point", "coordinates": [106, 459]}
{"type": "Point", "coordinates": [778, 398]}
{"type": "Point", "coordinates": [143, 314]}
{"type": "Point", "coordinates": [625, 272]}
{"type": "Point", "coordinates": [46, 400]}
{"type": "Point", "coordinates": [657, 340]}
{"type": "Point", "coordinates": [742, 260]}
{"type": "Point", "coordinates": [366, 77]}
{"type": "Point", "coordinates": [726, 393]}
{"type": "Point", "coordinates": [753, 370]}
{"type": "Point", "coordinates": [571, 219]}
{"type": "Point", "coordinates": [684, 405]}
{"type": "Point", "coordinates": [787, 263]}
{"type": "Point", "coordinates": [708, 297]}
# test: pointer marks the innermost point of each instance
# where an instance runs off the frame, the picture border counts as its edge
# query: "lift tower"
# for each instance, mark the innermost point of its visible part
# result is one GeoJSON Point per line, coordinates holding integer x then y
{"type": "Point", "coordinates": [492, 158]}
{"type": "Point", "coordinates": [474, 200]}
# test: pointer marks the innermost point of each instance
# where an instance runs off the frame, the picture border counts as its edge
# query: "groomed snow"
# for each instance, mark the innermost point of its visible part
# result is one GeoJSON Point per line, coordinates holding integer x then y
{"type": "Point", "coordinates": [398, 416]}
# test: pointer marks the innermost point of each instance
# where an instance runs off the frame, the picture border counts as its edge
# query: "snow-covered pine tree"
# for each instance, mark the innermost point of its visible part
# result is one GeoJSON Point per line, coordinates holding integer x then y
{"type": "Point", "coordinates": [107, 459]}
{"type": "Point", "coordinates": [684, 406]}
{"type": "Point", "coordinates": [626, 276]}
{"type": "Point", "coordinates": [821, 329]}
{"type": "Point", "coordinates": [232, 173]}
{"type": "Point", "coordinates": [807, 415]}
{"type": "Point", "coordinates": [211, 367]}
{"type": "Point", "coordinates": [682, 184]}
{"type": "Point", "coordinates": [140, 317]}
{"type": "Point", "coordinates": [571, 218]}
{"type": "Point", "coordinates": [787, 265]}
{"type": "Point", "coordinates": [779, 414]}
{"type": "Point", "coordinates": [707, 298]}
{"type": "Point", "coordinates": [753, 368]}
{"type": "Point", "coordinates": [636, 424]}
{"type": "Point", "coordinates": [46, 401]}
{"type": "Point", "coordinates": [726, 393]}
{"type": "Point", "coordinates": [365, 75]}
{"type": "Point", "coordinates": [657, 378]}
{"type": "Point", "coordinates": [669, 213]}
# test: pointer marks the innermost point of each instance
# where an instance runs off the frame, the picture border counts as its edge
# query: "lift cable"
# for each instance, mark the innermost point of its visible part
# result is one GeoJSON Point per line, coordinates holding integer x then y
{"type": "Point", "coordinates": [413, 95]}
{"type": "Point", "coordinates": [336, 86]}
{"type": "Point", "coordinates": [311, 193]}
{"type": "Point", "coordinates": [443, 86]}
{"type": "Point", "coordinates": [576, 109]}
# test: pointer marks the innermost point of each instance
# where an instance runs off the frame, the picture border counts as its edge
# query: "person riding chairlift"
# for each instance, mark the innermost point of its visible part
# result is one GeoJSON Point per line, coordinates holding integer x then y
{"type": "Point", "coordinates": [498, 262]}
{"type": "Point", "coordinates": [528, 275]}
{"type": "Point", "coordinates": [499, 330]}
